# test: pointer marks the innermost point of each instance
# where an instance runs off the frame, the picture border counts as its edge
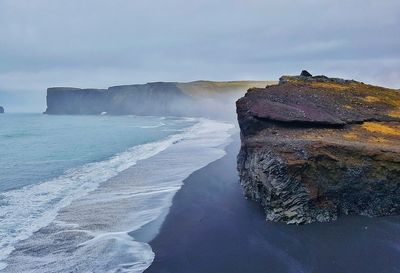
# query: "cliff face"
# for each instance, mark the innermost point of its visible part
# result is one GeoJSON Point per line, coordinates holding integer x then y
{"type": "Point", "coordinates": [65, 100]}
{"type": "Point", "coordinates": [152, 98]}
{"type": "Point", "coordinates": [1, 110]}
{"type": "Point", "coordinates": [161, 98]}
{"type": "Point", "coordinates": [314, 148]}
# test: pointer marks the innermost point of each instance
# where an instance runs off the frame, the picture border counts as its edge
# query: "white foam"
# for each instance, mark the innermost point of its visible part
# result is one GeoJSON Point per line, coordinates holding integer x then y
{"type": "Point", "coordinates": [152, 126]}
{"type": "Point", "coordinates": [100, 218]}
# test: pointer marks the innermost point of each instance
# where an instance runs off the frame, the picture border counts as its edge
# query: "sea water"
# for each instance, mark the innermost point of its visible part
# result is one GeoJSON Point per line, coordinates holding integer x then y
{"type": "Point", "coordinates": [76, 192]}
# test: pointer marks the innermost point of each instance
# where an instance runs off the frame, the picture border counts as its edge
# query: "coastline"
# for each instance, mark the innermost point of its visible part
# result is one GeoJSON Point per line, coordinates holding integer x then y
{"type": "Point", "coordinates": [210, 228]}
{"type": "Point", "coordinates": [107, 229]}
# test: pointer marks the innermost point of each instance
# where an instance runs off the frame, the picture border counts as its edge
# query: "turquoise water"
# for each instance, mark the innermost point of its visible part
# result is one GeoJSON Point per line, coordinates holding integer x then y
{"type": "Point", "coordinates": [36, 147]}
{"type": "Point", "coordinates": [74, 189]}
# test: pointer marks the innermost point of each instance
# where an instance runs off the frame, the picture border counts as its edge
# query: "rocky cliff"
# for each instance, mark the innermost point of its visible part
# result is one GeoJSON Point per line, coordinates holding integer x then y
{"type": "Point", "coordinates": [1, 110]}
{"type": "Point", "coordinates": [201, 98]}
{"type": "Point", "coordinates": [314, 148]}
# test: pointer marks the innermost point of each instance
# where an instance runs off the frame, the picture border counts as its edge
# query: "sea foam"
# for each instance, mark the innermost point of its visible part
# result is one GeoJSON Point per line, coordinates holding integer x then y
{"type": "Point", "coordinates": [85, 220]}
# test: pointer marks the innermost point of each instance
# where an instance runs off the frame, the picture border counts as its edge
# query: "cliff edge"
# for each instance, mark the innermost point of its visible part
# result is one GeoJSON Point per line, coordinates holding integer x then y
{"type": "Point", "coordinates": [314, 148]}
{"type": "Point", "coordinates": [200, 98]}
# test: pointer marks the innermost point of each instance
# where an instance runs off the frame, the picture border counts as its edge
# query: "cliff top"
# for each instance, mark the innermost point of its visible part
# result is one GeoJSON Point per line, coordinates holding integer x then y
{"type": "Point", "coordinates": [307, 108]}
{"type": "Point", "coordinates": [196, 88]}
{"type": "Point", "coordinates": [69, 89]}
{"type": "Point", "coordinates": [322, 100]}
{"type": "Point", "coordinates": [210, 88]}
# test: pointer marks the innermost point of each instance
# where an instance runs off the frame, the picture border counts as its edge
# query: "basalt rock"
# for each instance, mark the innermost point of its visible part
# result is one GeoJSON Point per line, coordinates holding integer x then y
{"type": "Point", "coordinates": [200, 98]}
{"type": "Point", "coordinates": [315, 148]}
{"type": "Point", "coordinates": [305, 73]}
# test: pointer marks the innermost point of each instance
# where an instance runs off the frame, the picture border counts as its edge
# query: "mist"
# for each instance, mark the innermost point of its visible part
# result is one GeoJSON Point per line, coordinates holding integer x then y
{"type": "Point", "coordinates": [100, 43]}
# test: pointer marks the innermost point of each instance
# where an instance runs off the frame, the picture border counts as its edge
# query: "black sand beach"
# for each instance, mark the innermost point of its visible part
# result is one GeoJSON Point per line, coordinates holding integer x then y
{"type": "Point", "coordinates": [212, 228]}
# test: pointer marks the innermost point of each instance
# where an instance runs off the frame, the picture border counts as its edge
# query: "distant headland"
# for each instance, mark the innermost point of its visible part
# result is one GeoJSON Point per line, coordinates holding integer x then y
{"type": "Point", "coordinates": [199, 98]}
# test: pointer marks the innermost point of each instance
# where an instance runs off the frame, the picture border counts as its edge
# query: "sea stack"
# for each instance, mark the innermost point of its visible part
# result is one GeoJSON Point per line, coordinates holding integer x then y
{"type": "Point", "coordinates": [314, 148]}
{"type": "Point", "coordinates": [1, 110]}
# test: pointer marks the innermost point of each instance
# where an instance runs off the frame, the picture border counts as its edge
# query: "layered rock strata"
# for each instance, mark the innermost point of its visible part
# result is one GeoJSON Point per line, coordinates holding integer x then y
{"type": "Point", "coordinates": [314, 148]}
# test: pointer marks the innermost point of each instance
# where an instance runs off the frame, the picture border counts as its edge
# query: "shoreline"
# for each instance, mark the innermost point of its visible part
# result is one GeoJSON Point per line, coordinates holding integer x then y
{"type": "Point", "coordinates": [211, 227]}
{"type": "Point", "coordinates": [108, 228]}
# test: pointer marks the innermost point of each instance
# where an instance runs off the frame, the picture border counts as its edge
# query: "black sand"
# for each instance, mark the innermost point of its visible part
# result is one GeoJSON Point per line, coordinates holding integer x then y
{"type": "Point", "coordinates": [212, 228]}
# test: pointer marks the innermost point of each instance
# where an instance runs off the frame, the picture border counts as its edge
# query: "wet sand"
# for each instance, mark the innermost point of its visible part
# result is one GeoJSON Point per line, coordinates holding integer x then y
{"type": "Point", "coordinates": [212, 228]}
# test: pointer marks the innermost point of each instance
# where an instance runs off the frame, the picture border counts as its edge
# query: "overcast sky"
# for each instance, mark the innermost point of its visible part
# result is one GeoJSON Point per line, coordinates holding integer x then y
{"type": "Point", "coordinates": [99, 43]}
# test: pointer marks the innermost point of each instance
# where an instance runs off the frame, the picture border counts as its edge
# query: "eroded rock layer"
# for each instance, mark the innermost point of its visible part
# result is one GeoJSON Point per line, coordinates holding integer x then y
{"type": "Point", "coordinates": [314, 148]}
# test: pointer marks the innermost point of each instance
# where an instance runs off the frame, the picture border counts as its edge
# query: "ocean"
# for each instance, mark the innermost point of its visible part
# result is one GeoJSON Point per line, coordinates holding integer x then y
{"type": "Point", "coordinates": [87, 193]}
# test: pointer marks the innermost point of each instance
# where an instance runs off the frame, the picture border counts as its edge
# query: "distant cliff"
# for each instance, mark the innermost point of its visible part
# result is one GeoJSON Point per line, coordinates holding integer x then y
{"type": "Point", "coordinates": [1, 110]}
{"type": "Point", "coordinates": [314, 148]}
{"type": "Point", "coordinates": [201, 98]}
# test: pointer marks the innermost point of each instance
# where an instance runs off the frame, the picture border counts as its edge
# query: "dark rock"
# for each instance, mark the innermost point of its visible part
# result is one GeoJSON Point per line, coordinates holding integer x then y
{"type": "Point", "coordinates": [314, 148]}
{"type": "Point", "coordinates": [200, 98]}
{"type": "Point", "coordinates": [1, 110]}
{"type": "Point", "coordinates": [305, 73]}
{"type": "Point", "coordinates": [68, 101]}
{"type": "Point", "coordinates": [145, 99]}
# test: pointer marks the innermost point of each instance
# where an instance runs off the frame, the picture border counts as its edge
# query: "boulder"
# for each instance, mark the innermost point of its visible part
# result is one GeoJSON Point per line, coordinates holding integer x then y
{"type": "Point", "coordinates": [305, 73]}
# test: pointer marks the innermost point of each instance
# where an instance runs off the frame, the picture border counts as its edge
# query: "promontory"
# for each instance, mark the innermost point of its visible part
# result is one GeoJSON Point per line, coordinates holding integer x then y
{"type": "Point", "coordinates": [314, 148]}
{"type": "Point", "coordinates": [199, 98]}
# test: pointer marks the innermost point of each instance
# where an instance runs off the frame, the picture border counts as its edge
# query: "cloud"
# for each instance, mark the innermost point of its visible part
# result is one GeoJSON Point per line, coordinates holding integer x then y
{"type": "Point", "coordinates": [99, 43]}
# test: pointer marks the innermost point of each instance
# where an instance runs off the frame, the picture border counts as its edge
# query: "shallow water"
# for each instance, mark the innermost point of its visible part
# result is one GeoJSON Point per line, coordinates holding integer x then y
{"type": "Point", "coordinates": [36, 147]}
{"type": "Point", "coordinates": [80, 220]}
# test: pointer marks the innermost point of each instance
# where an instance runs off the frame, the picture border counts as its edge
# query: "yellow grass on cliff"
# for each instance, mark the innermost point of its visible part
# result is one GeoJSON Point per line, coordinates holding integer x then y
{"type": "Point", "coordinates": [395, 113]}
{"type": "Point", "coordinates": [351, 136]}
{"type": "Point", "coordinates": [331, 85]}
{"type": "Point", "coordinates": [375, 95]}
{"type": "Point", "coordinates": [209, 88]}
{"type": "Point", "coordinates": [374, 133]}
{"type": "Point", "coordinates": [376, 127]}
{"type": "Point", "coordinates": [371, 99]}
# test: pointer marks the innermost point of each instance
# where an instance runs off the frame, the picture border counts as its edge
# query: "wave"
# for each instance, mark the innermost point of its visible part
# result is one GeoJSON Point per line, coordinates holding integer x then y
{"type": "Point", "coordinates": [91, 211]}
{"type": "Point", "coordinates": [160, 124]}
{"type": "Point", "coordinates": [27, 209]}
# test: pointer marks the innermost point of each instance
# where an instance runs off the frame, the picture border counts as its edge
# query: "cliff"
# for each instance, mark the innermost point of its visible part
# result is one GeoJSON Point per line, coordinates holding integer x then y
{"type": "Point", "coordinates": [1, 110]}
{"type": "Point", "coordinates": [201, 98]}
{"type": "Point", "coordinates": [66, 100]}
{"type": "Point", "coordinates": [315, 148]}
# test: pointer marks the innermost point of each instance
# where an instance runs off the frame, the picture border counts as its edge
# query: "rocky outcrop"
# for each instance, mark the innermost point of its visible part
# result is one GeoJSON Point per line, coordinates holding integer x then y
{"type": "Point", "coordinates": [201, 98]}
{"type": "Point", "coordinates": [152, 99]}
{"type": "Point", "coordinates": [315, 148]}
{"type": "Point", "coordinates": [68, 101]}
{"type": "Point", "coordinates": [1, 110]}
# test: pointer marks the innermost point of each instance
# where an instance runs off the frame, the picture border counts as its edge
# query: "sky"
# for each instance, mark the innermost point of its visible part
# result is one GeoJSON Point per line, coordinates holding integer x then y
{"type": "Point", "coordinates": [101, 43]}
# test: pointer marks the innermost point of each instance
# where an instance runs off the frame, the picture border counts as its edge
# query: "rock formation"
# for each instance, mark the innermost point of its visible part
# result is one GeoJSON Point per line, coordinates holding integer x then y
{"type": "Point", "coordinates": [201, 98]}
{"type": "Point", "coordinates": [1, 110]}
{"type": "Point", "coordinates": [305, 73]}
{"type": "Point", "coordinates": [315, 148]}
